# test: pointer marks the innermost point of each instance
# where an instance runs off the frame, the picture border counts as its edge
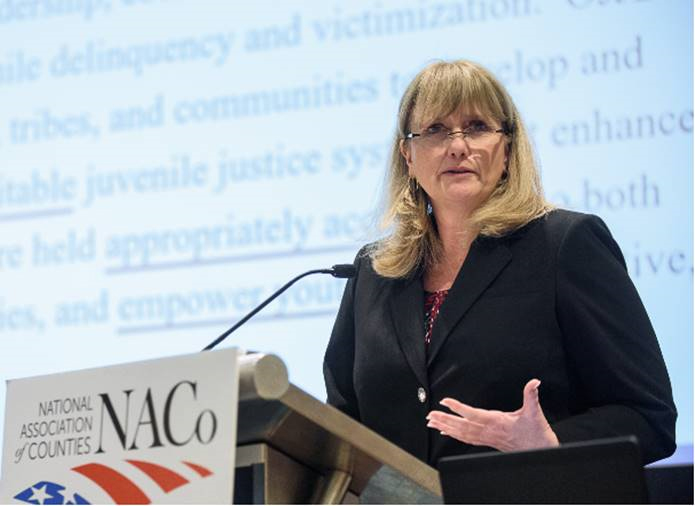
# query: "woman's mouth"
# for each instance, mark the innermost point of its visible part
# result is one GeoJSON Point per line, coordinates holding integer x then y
{"type": "Point", "coordinates": [459, 170]}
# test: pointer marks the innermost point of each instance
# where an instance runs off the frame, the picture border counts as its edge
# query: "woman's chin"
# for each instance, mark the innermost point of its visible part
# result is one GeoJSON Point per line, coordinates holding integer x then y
{"type": "Point", "coordinates": [464, 193]}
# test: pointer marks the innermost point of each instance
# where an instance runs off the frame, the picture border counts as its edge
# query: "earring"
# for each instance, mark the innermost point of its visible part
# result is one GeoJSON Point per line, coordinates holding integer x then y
{"type": "Point", "coordinates": [416, 193]}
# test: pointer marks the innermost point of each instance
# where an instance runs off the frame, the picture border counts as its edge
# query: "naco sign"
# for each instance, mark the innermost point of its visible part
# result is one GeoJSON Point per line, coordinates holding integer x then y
{"type": "Point", "coordinates": [155, 431]}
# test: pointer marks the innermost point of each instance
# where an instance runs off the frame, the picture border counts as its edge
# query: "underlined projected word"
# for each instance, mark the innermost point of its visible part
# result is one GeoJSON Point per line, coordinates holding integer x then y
{"type": "Point", "coordinates": [36, 194]}
{"type": "Point", "coordinates": [220, 307]}
{"type": "Point", "coordinates": [160, 311]}
{"type": "Point", "coordinates": [205, 244]}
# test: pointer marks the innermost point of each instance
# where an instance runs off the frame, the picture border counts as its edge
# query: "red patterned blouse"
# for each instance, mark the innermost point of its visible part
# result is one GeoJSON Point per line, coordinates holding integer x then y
{"type": "Point", "coordinates": [433, 302]}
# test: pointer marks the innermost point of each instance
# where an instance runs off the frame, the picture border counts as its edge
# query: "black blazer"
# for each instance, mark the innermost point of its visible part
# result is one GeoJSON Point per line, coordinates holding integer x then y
{"type": "Point", "coordinates": [551, 301]}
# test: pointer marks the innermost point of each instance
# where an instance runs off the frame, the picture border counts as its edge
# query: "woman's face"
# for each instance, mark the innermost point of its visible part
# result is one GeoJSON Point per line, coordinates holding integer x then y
{"type": "Point", "coordinates": [457, 173]}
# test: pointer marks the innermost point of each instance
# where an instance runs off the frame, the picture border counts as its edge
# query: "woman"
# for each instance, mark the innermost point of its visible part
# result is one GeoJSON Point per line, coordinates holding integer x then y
{"type": "Point", "coordinates": [513, 295]}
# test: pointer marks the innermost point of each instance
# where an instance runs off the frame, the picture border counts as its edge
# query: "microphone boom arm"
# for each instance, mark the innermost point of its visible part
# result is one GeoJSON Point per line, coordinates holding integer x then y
{"type": "Point", "coordinates": [334, 271]}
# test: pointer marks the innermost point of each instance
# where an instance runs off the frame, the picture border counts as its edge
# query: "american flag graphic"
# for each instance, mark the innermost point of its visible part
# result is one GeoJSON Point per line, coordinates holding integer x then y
{"type": "Point", "coordinates": [48, 492]}
{"type": "Point", "coordinates": [118, 486]}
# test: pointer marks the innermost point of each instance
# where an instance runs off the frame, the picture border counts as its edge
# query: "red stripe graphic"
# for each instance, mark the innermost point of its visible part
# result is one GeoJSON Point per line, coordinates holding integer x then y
{"type": "Point", "coordinates": [203, 472]}
{"type": "Point", "coordinates": [120, 488]}
{"type": "Point", "coordinates": [167, 479]}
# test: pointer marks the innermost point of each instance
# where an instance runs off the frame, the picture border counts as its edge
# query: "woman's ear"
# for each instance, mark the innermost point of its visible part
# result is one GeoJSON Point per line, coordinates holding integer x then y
{"type": "Point", "coordinates": [405, 153]}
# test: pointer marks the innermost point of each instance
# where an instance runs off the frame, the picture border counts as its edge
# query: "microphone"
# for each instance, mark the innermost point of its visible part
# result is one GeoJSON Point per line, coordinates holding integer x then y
{"type": "Point", "coordinates": [337, 271]}
{"type": "Point", "coordinates": [343, 271]}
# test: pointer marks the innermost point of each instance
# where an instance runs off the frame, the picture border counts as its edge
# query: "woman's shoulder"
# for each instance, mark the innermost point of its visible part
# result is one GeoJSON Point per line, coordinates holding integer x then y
{"type": "Point", "coordinates": [573, 232]}
{"type": "Point", "coordinates": [363, 256]}
{"type": "Point", "coordinates": [559, 218]}
{"type": "Point", "coordinates": [559, 229]}
{"type": "Point", "coordinates": [560, 222]}
{"type": "Point", "coordinates": [363, 259]}
{"type": "Point", "coordinates": [366, 271]}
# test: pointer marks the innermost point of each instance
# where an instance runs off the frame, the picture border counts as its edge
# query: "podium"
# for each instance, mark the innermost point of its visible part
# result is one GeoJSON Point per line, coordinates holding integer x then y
{"type": "Point", "coordinates": [292, 448]}
{"type": "Point", "coordinates": [211, 427]}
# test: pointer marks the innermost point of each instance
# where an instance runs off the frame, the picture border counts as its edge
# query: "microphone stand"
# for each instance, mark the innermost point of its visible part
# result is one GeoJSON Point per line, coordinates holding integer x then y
{"type": "Point", "coordinates": [338, 271]}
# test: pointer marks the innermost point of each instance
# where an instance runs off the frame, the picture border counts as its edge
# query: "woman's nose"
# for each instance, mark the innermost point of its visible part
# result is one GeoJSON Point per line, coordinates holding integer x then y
{"type": "Point", "coordinates": [458, 145]}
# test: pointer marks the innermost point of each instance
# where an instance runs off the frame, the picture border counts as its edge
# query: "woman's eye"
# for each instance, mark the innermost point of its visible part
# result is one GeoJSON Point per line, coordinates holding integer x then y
{"type": "Point", "coordinates": [434, 129]}
{"type": "Point", "coordinates": [477, 126]}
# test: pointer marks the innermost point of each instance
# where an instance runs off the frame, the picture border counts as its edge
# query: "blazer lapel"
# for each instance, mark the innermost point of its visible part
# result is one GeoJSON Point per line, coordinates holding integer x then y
{"type": "Point", "coordinates": [408, 313]}
{"type": "Point", "coordinates": [485, 260]}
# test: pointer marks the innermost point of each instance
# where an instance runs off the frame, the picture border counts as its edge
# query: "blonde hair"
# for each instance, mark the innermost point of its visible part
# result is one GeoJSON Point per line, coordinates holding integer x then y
{"type": "Point", "coordinates": [437, 91]}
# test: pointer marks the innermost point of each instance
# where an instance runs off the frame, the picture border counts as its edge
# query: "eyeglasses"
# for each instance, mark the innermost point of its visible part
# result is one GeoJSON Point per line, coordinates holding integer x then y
{"type": "Point", "coordinates": [477, 133]}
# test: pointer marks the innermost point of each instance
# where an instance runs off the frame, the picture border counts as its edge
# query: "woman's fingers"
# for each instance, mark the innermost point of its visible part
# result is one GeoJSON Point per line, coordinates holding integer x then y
{"type": "Point", "coordinates": [469, 412]}
{"type": "Point", "coordinates": [442, 417]}
{"type": "Point", "coordinates": [531, 400]}
{"type": "Point", "coordinates": [456, 427]}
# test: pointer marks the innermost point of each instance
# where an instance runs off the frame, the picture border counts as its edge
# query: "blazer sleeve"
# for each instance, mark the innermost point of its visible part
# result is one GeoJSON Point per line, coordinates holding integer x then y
{"type": "Point", "coordinates": [339, 360]}
{"type": "Point", "coordinates": [612, 352]}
